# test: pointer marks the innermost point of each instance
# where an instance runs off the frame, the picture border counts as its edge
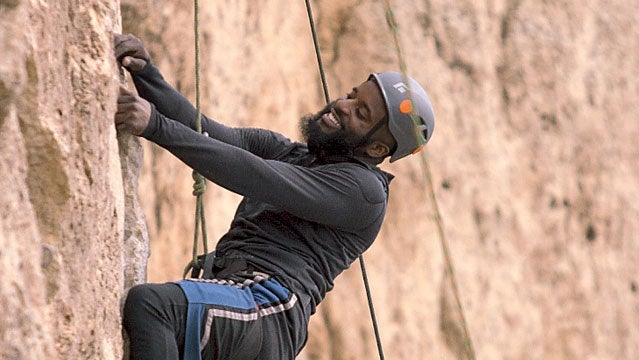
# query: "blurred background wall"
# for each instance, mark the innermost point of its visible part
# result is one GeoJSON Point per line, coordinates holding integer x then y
{"type": "Point", "coordinates": [533, 160]}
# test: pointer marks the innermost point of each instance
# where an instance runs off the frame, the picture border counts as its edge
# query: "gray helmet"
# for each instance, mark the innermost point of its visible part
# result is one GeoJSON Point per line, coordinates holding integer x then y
{"type": "Point", "coordinates": [411, 135]}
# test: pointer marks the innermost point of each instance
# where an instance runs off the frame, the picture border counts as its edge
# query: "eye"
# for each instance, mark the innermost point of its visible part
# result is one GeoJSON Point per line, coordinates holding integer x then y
{"type": "Point", "coordinates": [358, 111]}
{"type": "Point", "coordinates": [360, 114]}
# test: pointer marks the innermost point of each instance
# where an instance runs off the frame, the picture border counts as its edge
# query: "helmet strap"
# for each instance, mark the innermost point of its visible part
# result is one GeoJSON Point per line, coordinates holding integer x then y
{"type": "Point", "coordinates": [369, 134]}
{"type": "Point", "coordinates": [372, 132]}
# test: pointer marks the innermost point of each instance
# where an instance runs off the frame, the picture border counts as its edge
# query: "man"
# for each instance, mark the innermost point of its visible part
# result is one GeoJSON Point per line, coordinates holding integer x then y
{"type": "Point", "coordinates": [309, 210]}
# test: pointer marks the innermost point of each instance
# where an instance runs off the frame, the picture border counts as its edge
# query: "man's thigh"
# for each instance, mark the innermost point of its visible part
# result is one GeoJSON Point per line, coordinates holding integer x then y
{"type": "Point", "coordinates": [155, 319]}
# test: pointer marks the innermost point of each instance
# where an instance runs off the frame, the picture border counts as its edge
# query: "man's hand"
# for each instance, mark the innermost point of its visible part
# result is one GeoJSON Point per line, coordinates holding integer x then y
{"type": "Point", "coordinates": [133, 112]}
{"type": "Point", "coordinates": [130, 52]}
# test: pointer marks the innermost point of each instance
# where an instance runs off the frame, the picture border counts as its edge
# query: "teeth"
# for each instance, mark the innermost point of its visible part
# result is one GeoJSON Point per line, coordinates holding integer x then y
{"type": "Point", "coordinates": [332, 118]}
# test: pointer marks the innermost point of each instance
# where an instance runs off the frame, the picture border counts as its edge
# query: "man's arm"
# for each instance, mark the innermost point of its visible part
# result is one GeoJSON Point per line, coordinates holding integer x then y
{"type": "Point", "coordinates": [151, 86]}
{"type": "Point", "coordinates": [347, 195]}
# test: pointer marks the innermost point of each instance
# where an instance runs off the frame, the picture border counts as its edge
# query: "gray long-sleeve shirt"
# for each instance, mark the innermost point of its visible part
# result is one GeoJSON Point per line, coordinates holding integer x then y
{"type": "Point", "coordinates": [302, 219]}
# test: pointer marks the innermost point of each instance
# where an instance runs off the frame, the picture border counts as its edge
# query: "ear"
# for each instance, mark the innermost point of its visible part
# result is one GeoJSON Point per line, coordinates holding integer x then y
{"type": "Point", "coordinates": [377, 149]}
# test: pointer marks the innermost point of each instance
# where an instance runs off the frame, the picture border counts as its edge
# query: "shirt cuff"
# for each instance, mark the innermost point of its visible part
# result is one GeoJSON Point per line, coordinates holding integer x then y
{"type": "Point", "coordinates": [153, 126]}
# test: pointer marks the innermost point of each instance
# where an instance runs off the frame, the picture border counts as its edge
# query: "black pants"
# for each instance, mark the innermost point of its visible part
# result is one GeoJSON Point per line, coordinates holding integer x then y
{"type": "Point", "coordinates": [155, 319]}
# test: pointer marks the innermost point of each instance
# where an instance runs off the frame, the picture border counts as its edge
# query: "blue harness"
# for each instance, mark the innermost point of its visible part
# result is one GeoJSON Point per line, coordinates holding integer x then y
{"type": "Point", "coordinates": [237, 308]}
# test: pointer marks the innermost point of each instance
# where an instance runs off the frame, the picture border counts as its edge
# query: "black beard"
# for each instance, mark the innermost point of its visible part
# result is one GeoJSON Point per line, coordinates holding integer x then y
{"type": "Point", "coordinates": [322, 144]}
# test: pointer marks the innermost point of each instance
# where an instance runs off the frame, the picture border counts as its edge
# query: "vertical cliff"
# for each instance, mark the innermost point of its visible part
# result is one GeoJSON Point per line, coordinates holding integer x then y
{"type": "Point", "coordinates": [66, 224]}
{"type": "Point", "coordinates": [533, 158]}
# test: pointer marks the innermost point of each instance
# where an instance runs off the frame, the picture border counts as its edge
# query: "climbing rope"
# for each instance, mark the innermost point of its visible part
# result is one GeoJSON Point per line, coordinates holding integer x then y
{"type": "Point", "coordinates": [199, 185]}
{"type": "Point", "coordinates": [369, 296]}
{"type": "Point", "coordinates": [318, 53]}
{"type": "Point", "coordinates": [450, 271]}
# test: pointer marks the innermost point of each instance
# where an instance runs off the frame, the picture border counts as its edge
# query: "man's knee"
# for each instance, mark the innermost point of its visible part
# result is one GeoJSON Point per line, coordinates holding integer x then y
{"type": "Point", "coordinates": [137, 301]}
{"type": "Point", "coordinates": [154, 300]}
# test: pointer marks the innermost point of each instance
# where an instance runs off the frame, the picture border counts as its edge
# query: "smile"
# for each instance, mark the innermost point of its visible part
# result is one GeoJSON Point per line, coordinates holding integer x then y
{"type": "Point", "coordinates": [331, 120]}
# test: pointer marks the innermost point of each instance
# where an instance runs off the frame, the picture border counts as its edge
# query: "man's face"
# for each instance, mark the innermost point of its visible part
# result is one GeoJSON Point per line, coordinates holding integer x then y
{"type": "Point", "coordinates": [341, 127]}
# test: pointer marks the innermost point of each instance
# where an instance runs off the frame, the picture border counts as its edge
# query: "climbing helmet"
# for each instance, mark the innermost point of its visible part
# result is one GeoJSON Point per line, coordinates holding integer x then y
{"type": "Point", "coordinates": [411, 122]}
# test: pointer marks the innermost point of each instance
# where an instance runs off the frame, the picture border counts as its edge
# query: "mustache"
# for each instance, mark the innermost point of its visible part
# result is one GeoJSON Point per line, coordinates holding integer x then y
{"type": "Point", "coordinates": [338, 142]}
{"type": "Point", "coordinates": [306, 121]}
{"type": "Point", "coordinates": [327, 109]}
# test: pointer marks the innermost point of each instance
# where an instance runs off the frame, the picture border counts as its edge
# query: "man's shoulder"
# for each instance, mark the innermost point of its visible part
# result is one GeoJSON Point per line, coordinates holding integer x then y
{"type": "Point", "coordinates": [371, 180]}
{"type": "Point", "coordinates": [293, 152]}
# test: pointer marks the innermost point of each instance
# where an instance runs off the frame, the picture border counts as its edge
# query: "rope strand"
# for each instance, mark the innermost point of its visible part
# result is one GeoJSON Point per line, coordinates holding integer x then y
{"type": "Point", "coordinates": [199, 185]}
{"type": "Point", "coordinates": [320, 63]}
{"type": "Point", "coordinates": [361, 257]}
{"type": "Point", "coordinates": [450, 271]}
{"type": "Point", "coordinates": [369, 297]}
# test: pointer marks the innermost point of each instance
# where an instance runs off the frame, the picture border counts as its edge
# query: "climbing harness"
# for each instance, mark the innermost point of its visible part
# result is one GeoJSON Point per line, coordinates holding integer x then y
{"type": "Point", "coordinates": [450, 271]}
{"type": "Point", "coordinates": [327, 98]}
{"type": "Point", "coordinates": [199, 185]}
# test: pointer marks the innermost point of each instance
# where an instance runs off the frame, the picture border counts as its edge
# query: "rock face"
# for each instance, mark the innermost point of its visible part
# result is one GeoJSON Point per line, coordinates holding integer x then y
{"type": "Point", "coordinates": [63, 208]}
{"type": "Point", "coordinates": [534, 161]}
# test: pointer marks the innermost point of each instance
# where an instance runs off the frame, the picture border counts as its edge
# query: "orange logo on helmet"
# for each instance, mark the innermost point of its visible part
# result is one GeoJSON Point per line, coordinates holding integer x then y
{"type": "Point", "coordinates": [417, 149]}
{"type": "Point", "coordinates": [406, 106]}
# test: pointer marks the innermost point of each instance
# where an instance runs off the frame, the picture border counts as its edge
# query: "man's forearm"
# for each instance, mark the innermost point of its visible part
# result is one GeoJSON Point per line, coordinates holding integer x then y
{"type": "Point", "coordinates": [170, 103]}
{"type": "Point", "coordinates": [151, 86]}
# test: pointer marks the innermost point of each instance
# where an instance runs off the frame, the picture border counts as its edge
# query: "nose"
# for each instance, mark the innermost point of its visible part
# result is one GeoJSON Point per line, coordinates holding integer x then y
{"type": "Point", "coordinates": [344, 105]}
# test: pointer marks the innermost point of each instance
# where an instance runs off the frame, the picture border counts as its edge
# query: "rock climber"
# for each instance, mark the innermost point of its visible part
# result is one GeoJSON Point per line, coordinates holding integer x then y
{"type": "Point", "coordinates": [308, 211]}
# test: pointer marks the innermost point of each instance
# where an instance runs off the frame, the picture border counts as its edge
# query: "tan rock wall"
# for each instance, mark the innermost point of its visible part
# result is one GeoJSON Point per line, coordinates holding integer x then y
{"type": "Point", "coordinates": [534, 161]}
{"type": "Point", "coordinates": [63, 208]}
